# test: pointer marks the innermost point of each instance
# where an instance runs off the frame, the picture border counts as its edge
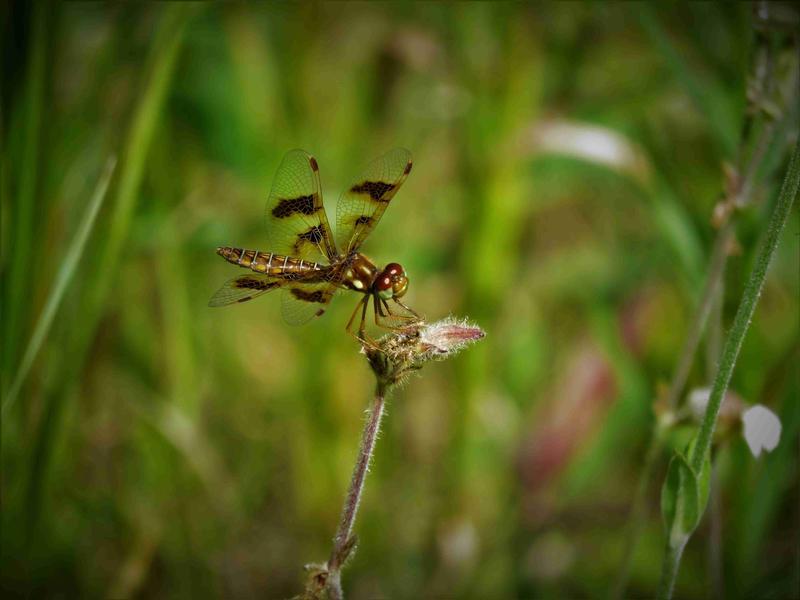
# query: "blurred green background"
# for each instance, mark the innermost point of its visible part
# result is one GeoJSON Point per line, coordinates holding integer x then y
{"type": "Point", "coordinates": [568, 158]}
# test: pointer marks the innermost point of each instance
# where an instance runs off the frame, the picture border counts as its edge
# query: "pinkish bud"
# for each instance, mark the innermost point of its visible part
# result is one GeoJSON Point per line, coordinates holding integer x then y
{"type": "Point", "coordinates": [448, 336]}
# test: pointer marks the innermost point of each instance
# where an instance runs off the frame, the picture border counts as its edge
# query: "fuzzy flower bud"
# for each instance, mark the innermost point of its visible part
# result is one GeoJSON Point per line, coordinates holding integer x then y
{"type": "Point", "coordinates": [443, 338]}
{"type": "Point", "coordinates": [398, 354]}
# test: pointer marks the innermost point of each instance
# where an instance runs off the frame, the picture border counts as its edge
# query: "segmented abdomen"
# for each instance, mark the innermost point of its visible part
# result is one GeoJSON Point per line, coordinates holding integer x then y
{"type": "Point", "coordinates": [268, 262]}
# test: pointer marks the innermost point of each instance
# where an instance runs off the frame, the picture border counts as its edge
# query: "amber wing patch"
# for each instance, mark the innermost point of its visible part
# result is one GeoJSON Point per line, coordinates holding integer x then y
{"type": "Point", "coordinates": [296, 222]}
{"type": "Point", "coordinates": [363, 203]}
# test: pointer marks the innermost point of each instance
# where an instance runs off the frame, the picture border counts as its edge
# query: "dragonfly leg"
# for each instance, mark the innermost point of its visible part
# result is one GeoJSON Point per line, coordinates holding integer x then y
{"type": "Point", "coordinates": [388, 308]}
{"type": "Point", "coordinates": [361, 334]}
{"type": "Point", "coordinates": [380, 305]}
{"type": "Point", "coordinates": [408, 308]}
{"type": "Point", "coordinates": [349, 326]}
{"type": "Point", "coordinates": [378, 311]}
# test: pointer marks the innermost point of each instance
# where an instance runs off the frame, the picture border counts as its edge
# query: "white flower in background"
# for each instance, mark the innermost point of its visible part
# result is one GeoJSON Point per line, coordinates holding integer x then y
{"type": "Point", "coordinates": [698, 400]}
{"type": "Point", "coordinates": [762, 429]}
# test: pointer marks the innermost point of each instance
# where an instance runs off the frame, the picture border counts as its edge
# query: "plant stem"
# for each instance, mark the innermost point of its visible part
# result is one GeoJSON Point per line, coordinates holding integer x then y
{"type": "Point", "coordinates": [710, 293]}
{"type": "Point", "coordinates": [733, 344]}
{"type": "Point", "coordinates": [669, 569]}
{"type": "Point", "coordinates": [747, 306]}
{"type": "Point", "coordinates": [716, 272]}
{"type": "Point", "coordinates": [343, 541]}
{"type": "Point", "coordinates": [715, 555]}
{"type": "Point", "coordinates": [719, 256]}
{"type": "Point", "coordinates": [711, 296]}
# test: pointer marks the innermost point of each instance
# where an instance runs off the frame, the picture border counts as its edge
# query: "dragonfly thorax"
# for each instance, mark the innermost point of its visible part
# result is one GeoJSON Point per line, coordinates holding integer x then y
{"type": "Point", "coordinates": [360, 273]}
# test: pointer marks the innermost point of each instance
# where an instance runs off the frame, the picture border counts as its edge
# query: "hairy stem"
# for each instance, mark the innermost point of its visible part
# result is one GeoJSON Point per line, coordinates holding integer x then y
{"type": "Point", "coordinates": [711, 298]}
{"type": "Point", "coordinates": [733, 344]}
{"type": "Point", "coordinates": [747, 306]}
{"type": "Point", "coordinates": [710, 295]}
{"type": "Point", "coordinates": [343, 541]}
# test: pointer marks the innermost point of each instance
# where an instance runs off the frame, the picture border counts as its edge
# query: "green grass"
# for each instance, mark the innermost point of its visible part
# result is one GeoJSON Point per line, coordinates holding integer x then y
{"type": "Point", "coordinates": [63, 278]}
{"type": "Point", "coordinates": [160, 448]}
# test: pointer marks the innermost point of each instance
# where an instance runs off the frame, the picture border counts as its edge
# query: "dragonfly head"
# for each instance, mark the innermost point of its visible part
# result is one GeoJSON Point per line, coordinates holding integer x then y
{"type": "Point", "coordinates": [392, 282]}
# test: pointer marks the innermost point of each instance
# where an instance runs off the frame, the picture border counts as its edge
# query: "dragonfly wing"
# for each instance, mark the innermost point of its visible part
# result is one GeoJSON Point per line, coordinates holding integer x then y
{"type": "Point", "coordinates": [302, 302]}
{"type": "Point", "coordinates": [296, 222]}
{"type": "Point", "coordinates": [244, 288]}
{"type": "Point", "coordinates": [362, 205]}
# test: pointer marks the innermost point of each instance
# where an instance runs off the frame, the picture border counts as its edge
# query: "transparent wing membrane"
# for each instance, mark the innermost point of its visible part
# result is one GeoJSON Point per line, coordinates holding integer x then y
{"type": "Point", "coordinates": [363, 203]}
{"type": "Point", "coordinates": [295, 217]}
{"type": "Point", "coordinates": [243, 288]}
{"type": "Point", "coordinates": [302, 302]}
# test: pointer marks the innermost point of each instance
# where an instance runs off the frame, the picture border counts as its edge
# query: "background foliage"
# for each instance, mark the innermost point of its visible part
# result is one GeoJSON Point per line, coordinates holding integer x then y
{"type": "Point", "coordinates": [567, 161]}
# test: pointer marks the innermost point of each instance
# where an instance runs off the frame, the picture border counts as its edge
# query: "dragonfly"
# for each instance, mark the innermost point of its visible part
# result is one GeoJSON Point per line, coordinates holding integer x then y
{"type": "Point", "coordinates": [308, 263]}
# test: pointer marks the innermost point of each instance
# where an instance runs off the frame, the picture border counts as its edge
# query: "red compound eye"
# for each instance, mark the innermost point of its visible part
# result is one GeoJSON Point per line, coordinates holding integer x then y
{"type": "Point", "coordinates": [393, 269]}
{"type": "Point", "coordinates": [384, 283]}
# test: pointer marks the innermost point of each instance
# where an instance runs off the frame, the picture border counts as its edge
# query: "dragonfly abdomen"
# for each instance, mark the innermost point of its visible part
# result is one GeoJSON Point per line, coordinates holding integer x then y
{"type": "Point", "coordinates": [268, 262]}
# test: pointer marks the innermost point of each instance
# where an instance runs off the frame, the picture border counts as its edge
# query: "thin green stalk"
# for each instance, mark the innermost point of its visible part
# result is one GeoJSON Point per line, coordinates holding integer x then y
{"type": "Point", "coordinates": [145, 119]}
{"type": "Point", "coordinates": [747, 306]}
{"type": "Point", "coordinates": [719, 257]}
{"type": "Point", "coordinates": [63, 278]}
{"type": "Point", "coordinates": [711, 290]}
{"type": "Point", "coordinates": [711, 296]}
{"type": "Point", "coordinates": [715, 548]}
{"type": "Point", "coordinates": [714, 335]}
{"type": "Point", "coordinates": [669, 570]}
{"type": "Point", "coordinates": [733, 344]}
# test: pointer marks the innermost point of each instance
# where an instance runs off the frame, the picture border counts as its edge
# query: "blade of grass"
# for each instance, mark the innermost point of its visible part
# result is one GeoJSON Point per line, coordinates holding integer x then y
{"type": "Point", "coordinates": [25, 206]}
{"type": "Point", "coordinates": [63, 278]}
{"type": "Point", "coordinates": [735, 339]}
{"type": "Point", "coordinates": [163, 60]}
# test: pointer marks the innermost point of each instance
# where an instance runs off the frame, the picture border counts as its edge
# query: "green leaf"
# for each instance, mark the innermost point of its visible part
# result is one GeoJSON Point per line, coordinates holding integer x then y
{"type": "Point", "coordinates": [684, 496]}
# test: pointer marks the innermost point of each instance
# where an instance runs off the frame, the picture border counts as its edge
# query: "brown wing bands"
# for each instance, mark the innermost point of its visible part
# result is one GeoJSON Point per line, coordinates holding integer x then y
{"type": "Point", "coordinates": [244, 288]}
{"type": "Point", "coordinates": [362, 205]}
{"type": "Point", "coordinates": [303, 301]}
{"type": "Point", "coordinates": [296, 222]}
